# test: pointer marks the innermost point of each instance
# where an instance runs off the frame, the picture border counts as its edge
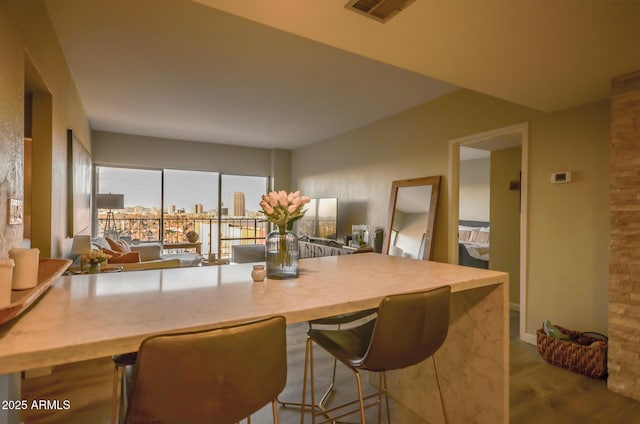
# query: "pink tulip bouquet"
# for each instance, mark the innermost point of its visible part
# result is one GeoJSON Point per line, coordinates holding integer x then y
{"type": "Point", "coordinates": [283, 209]}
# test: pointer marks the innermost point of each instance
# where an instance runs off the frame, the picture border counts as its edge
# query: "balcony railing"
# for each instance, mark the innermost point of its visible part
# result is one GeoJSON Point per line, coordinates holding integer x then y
{"type": "Point", "coordinates": [216, 236]}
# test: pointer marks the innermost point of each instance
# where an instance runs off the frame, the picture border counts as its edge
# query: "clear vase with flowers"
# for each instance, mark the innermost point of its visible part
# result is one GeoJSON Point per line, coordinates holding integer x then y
{"type": "Point", "coordinates": [282, 209]}
{"type": "Point", "coordinates": [93, 260]}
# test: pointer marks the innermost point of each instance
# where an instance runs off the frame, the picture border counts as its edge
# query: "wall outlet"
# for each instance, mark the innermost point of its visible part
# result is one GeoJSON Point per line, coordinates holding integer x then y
{"type": "Point", "coordinates": [561, 177]}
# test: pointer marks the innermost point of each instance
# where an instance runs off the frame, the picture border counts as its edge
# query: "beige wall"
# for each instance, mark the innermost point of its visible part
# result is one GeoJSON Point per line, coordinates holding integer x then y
{"type": "Point", "coordinates": [114, 149]}
{"type": "Point", "coordinates": [280, 169]}
{"type": "Point", "coordinates": [26, 32]}
{"type": "Point", "coordinates": [150, 152]}
{"type": "Point", "coordinates": [475, 178]}
{"type": "Point", "coordinates": [568, 225]}
{"type": "Point", "coordinates": [505, 217]}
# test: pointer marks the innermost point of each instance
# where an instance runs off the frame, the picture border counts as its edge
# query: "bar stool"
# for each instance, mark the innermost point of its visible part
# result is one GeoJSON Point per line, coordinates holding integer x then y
{"type": "Point", "coordinates": [337, 322]}
{"type": "Point", "coordinates": [222, 375]}
{"type": "Point", "coordinates": [409, 328]}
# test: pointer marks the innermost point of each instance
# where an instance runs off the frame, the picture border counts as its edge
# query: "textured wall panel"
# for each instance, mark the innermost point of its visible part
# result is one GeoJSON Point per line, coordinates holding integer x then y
{"type": "Point", "coordinates": [624, 248]}
{"type": "Point", "coordinates": [11, 129]}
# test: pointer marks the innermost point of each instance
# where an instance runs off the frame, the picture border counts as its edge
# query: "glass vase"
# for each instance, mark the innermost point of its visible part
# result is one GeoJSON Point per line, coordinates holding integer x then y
{"type": "Point", "coordinates": [282, 255]}
{"type": "Point", "coordinates": [94, 268]}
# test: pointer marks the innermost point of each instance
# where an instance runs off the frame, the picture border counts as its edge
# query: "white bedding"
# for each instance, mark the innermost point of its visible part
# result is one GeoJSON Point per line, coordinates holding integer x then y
{"type": "Point", "coordinates": [475, 240]}
{"type": "Point", "coordinates": [477, 250]}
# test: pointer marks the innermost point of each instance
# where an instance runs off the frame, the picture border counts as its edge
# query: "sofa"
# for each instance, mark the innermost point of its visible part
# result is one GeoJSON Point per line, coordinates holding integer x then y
{"type": "Point", "coordinates": [140, 256]}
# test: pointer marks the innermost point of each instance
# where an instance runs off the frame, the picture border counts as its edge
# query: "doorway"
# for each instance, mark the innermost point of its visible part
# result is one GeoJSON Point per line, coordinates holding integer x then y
{"type": "Point", "coordinates": [495, 141]}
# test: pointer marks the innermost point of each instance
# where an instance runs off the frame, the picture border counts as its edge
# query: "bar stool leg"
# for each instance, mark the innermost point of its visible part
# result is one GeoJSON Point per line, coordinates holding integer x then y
{"type": "Point", "coordinates": [323, 399]}
{"type": "Point", "coordinates": [304, 381]}
{"type": "Point", "coordinates": [274, 407]}
{"type": "Point", "coordinates": [360, 399]}
{"type": "Point", "coordinates": [124, 400]}
{"type": "Point", "coordinates": [386, 396]}
{"type": "Point", "coordinates": [312, 376]}
{"type": "Point", "coordinates": [117, 376]}
{"type": "Point", "coordinates": [327, 393]}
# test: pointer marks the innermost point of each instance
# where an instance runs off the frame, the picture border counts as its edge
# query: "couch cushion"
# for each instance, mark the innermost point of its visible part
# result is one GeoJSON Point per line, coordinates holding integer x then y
{"type": "Point", "coordinates": [119, 246]}
{"type": "Point", "coordinates": [148, 251]}
{"type": "Point", "coordinates": [125, 258]}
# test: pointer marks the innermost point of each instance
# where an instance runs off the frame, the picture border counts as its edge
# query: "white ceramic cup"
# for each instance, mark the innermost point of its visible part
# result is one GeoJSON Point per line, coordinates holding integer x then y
{"type": "Point", "coordinates": [6, 278]}
{"type": "Point", "coordinates": [25, 273]}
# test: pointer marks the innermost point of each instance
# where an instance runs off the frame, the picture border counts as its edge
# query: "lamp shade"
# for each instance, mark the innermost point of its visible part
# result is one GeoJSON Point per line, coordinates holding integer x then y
{"type": "Point", "coordinates": [110, 201]}
{"type": "Point", "coordinates": [81, 244]}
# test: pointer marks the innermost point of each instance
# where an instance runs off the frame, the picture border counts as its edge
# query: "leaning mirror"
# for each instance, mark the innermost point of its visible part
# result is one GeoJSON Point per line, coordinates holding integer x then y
{"type": "Point", "coordinates": [412, 215]}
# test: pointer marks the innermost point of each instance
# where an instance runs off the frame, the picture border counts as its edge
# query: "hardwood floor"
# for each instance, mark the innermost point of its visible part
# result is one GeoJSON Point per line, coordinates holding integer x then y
{"type": "Point", "coordinates": [543, 394]}
{"type": "Point", "coordinates": [540, 393]}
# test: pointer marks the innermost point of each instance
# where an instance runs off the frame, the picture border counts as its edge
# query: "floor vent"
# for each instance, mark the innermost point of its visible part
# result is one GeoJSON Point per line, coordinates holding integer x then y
{"type": "Point", "coordinates": [380, 10]}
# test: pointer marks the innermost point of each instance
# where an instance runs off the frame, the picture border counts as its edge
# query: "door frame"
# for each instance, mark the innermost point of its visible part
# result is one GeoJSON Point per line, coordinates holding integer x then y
{"type": "Point", "coordinates": [454, 206]}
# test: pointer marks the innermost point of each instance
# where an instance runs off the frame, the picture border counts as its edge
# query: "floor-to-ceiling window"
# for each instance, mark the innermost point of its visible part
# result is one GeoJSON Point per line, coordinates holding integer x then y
{"type": "Point", "coordinates": [241, 223]}
{"type": "Point", "coordinates": [191, 205]}
{"type": "Point", "coordinates": [140, 218]}
{"type": "Point", "coordinates": [166, 205]}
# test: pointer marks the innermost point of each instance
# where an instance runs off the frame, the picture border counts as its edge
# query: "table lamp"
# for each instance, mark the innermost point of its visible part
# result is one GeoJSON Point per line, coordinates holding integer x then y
{"type": "Point", "coordinates": [81, 244]}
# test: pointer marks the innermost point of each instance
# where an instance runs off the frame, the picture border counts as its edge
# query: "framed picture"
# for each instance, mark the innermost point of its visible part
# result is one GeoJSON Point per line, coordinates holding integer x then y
{"type": "Point", "coordinates": [78, 186]}
{"type": "Point", "coordinates": [15, 212]}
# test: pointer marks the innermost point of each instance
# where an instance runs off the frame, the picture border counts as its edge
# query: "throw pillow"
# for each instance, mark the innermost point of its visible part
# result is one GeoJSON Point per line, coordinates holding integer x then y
{"type": "Point", "coordinates": [126, 258]}
{"type": "Point", "coordinates": [464, 235]}
{"type": "Point", "coordinates": [111, 253]}
{"type": "Point", "coordinates": [120, 246]}
{"type": "Point", "coordinates": [113, 256]}
{"type": "Point", "coordinates": [100, 243]}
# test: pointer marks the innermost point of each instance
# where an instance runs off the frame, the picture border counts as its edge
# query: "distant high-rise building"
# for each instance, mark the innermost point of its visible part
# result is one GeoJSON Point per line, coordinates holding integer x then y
{"type": "Point", "coordinates": [172, 209]}
{"type": "Point", "coordinates": [238, 203]}
{"type": "Point", "coordinates": [198, 208]}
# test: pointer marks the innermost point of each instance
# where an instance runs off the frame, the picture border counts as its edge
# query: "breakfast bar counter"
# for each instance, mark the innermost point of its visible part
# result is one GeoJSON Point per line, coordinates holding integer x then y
{"type": "Point", "coordinates": [97, 315]}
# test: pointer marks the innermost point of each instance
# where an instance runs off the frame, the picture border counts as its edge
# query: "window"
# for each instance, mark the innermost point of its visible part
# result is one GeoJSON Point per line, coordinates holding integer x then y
{"type": "Point", "coordinates": [142, 190]}
{"type": "Point", "coordinates": [191, 204]}
{"type": "Point", "coordinates": [165, 205]}
{"type": "Point", "coordinates": [241, 223]}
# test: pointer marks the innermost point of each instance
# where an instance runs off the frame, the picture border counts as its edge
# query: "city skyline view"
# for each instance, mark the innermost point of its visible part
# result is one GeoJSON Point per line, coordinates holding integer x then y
{"type": "Point", "coordinates": [191, 204]}
{"type": "Point", "coordinates": [184, 189]}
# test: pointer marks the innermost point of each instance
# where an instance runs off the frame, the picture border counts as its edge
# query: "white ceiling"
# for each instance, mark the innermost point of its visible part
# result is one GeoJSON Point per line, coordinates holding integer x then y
{"type": "Point", "coordinates": [480, 149]}
{"type": "Point", "coordinates": [179, 69]}
{"type": "Point", "coordinates": [545, 54]}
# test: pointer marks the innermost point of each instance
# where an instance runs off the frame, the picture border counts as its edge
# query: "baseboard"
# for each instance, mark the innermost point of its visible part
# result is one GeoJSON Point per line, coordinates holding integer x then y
{"type": "Point", "coordinates": [529, 338]}
{"type": "Point", "coordinates": [514, 307]}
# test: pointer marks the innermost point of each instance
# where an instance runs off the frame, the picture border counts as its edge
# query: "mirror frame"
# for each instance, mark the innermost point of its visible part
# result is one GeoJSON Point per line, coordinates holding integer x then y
{"type": "Point", "coordinates": [434, 182]}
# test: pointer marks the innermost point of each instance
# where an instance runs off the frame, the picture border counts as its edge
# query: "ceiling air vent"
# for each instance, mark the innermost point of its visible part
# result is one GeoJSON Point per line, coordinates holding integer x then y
{"type": "Point", "coordinates": [380, 10]}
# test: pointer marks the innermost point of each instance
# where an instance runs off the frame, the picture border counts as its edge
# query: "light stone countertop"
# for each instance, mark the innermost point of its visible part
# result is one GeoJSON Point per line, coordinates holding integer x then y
{"type": "Point", "coordinates": [90, 316]}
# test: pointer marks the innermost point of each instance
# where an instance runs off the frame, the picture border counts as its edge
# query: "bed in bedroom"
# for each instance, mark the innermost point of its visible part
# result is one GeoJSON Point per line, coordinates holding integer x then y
{"type": "Point", "coordinates": [473, 243]}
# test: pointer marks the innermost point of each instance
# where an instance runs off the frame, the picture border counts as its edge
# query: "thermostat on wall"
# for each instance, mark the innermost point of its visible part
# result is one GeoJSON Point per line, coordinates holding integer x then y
{"type": "Point", "coordinates": [561, 177]}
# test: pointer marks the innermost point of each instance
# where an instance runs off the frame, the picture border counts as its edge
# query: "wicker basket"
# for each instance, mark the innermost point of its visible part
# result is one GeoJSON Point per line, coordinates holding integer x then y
{"type": "Point", "coordinates": [576, 355]}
